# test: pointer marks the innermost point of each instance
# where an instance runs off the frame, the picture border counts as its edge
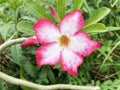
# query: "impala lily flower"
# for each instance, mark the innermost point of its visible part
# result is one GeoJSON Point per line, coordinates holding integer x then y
{"type": "Point", "coordinates": [63, 43]}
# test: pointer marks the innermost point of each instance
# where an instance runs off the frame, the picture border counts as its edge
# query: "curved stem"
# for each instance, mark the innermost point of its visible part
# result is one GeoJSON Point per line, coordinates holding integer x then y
{"type": "Point", "coordinates": [16, 81]}
{"type": "Point", "coordinates": [44, 87]}
{"type": "Point", "coordinates": [11, 42]}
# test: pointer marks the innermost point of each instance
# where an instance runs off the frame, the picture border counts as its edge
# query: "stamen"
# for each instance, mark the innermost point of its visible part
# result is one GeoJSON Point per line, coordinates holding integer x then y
{"type": "Point", "coordinates": [64, 40]}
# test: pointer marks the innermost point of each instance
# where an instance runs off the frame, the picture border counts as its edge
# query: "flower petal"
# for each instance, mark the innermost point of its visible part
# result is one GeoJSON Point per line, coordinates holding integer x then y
{"type": "Point", "coordinates": [30, 41]}
{"type": "Point", "coordinates": [70, 61]}
{"type": "Point", "coordinates": [48, 54]}
{"type": "Point", "coordinates": [46, 31]}
{"type": "Point", "coordinates": [81, 43]}
{"type": "Point", "coordinates": [54, 14]}
{"type": "Point", "coordinates": [53, 11]}
{"type": "Point", "coordinates": [72, 23]}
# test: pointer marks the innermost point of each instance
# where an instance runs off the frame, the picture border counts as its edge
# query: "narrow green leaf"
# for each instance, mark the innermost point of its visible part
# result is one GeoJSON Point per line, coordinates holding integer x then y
{"type": "Point", "coordinates": [2, 85]}
{"type": "Point", "coordinates": [95, 28]}
{"type": "Point", "coordinates": [99, 28]}
{"type": "Point", "coordinates": [78, 4]}
{"type": "Point", "coordinates": [36, 9]}
{"type": "Point", "coordinates": [97, 16]}
{"type": "Point", "coordinates": [29, 68]}
{"type": "Point", "coordinates": [61, 8]}
{"type": "Point", "coordinates": [51, 76]}
{"type": "Point", "coordinates": [86, 7]}
{"type": "Point", "coordinates": [97, 2]}
{"type": "Point", "coordinates": [16, 53]}
{"type": "Point", "coordinates": [26, 27]}
{"type": "Point", "coordinates": [5, 29]}
{"type": "Point", "coordinates": [113, 28]}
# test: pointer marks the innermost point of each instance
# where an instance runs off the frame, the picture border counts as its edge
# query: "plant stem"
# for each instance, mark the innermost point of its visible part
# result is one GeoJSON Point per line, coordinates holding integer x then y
{"type": "Point", "coordinates": [11, 42]}
{"type": "Point", "coordinates": [44, 87]}
{"type": "Point", "coordinates": [16, 81]}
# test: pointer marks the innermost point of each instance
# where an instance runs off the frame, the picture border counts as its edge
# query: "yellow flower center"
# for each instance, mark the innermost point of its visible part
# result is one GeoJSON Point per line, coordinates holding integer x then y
{"type": "Point", "coordinates": [64, 40]}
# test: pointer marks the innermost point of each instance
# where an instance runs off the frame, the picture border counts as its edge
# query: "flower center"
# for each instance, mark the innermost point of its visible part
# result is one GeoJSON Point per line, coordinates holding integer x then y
{"type": "Point", "coordinates": [64, 40]}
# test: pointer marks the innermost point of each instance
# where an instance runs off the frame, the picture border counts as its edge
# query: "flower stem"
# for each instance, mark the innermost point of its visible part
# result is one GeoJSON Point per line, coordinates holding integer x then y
{"type": "Point", "coordinates": [16, 81]}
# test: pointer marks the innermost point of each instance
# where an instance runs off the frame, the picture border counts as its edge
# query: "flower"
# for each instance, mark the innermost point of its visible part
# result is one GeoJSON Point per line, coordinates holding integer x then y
{"type": "Point", "coordinates": [63, 43]}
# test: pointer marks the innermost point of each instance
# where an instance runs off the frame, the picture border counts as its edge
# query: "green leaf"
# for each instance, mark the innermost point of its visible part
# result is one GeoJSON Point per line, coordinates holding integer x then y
{"type": "Point", "coordinates": [2, 85]}
{"type": "Point", "coordinates": [99, 28]}
{"type": "Point", "coordinates": [97, 16]}
{"type": "Point", "coordinates": [51, 76]}
{"type": "Point", "coordinates": [86, 7]}
{"type": "Point", "coordinates": [26, 27]}
{"type": "Point", "coordinates": [4, 16]}
{"type": "Point", "coordinates": [113, 28]}
{"type": "Point", "coordinates": [5, 29]}
{"type": "Point", "coordinates": [36, 9]}
{"type": "Point", "coordinates": [29, 18]}
{"type": "Point", "coordinates": [43, 79]}
{"type": "Point", "coordinates": [97, 2]}
{"type": "Point", "coordinates": [61, 8]}
{"type": "Point", "coordinates": [78, 4]}
{"type": "Point", "coordinates": [16, 53]}
{"type": "Point", "coordinates": [29, 68]}
{"type": "Point", "coordinates": [95, 28]}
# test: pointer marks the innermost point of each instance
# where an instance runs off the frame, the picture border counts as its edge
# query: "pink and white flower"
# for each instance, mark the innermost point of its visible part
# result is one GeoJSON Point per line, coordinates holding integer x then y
{"type": "Point", "coordinates": [63, 43]}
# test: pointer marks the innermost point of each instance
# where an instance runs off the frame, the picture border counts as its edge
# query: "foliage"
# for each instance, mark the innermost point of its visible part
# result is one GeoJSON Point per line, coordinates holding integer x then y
{"type": "Point", "coordinates": [102, 18]}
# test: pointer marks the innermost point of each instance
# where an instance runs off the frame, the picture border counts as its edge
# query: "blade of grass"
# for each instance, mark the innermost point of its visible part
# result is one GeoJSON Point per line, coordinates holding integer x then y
{"type": "Point", "coordinates": [107, 57]}
{"type": "Point", "coordinates": [78, 4]}
{"type": "Point", "coordinates": [87, 7]}
{"type": "Point", "coordinates": [61, 8]}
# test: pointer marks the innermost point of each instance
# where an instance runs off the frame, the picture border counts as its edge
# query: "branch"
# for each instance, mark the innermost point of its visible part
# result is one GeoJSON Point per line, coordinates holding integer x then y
{"type": "Point", "coordinates": [44, 87]}
{"type": "Point", "coordinates": [11, 42]}
{"type": "Point", "coordinates": [16, 81]}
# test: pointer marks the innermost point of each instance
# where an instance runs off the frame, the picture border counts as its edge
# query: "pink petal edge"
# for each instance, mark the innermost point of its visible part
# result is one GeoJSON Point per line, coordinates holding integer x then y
{"type": "Point", "coordinates": [82, 44]}
{"type": "Point", "coordinates": [48, 54]}
{"type": "Point", "coordinates": [30, 41]}
{"type": "Point", "coordinates": [46, 31]}
{"type": "Point", "coordinates": [72, 23]}
{"type": "Point", "coordinates": [70, 61]}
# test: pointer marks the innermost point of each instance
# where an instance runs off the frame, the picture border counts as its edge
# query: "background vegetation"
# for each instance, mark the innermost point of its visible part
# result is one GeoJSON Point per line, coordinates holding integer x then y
{"type": "Point", "coordinates": [101, 68]}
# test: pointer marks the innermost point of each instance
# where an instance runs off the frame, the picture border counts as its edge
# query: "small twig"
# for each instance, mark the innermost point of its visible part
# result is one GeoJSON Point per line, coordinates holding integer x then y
{"type": "Point", "coordinates": [16, 81]}
{"type": "Point", "coordinates": [11, 42]}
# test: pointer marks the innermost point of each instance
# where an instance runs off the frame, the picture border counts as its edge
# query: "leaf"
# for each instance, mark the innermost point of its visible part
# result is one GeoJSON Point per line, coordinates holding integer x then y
{"type": "Point", "coordinates": [78, 4]}
{"type": "Point", "coordinates": [51, 76]}
{"type": "Point", "coordinates": [2, 85]}
{"type": "Point", "coordinates": [113, 28]}
{"type": "Point", "coordinates": [97, 2]}
{"type": "Point", "coordinates": [61, 8]}
{"type": "Point", "coordinates": [43, 79]}
{"type": "Point", "coordinates": [5, 29]}
{"type": "Point", "coordinates": [16, 53]}
{"type": "Point", "coordinates": [4, 16]}
{"type": "Point", "coordinates": [97, 16]}
{"type": "Point", "coordinates": [86, 7]}
{"type": "Point", "coordinates": [108, 29]}
{"type": "Point", "coordinates": [29, 68]}
{"type": "Point", "coordinates": [95, 28]}
{"type": "Point", "coordinates": [36, 9]}
{"type": "Point", "coordinates": [28, 18]}
{"type": "Point", "coordinates": [25, 27]}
